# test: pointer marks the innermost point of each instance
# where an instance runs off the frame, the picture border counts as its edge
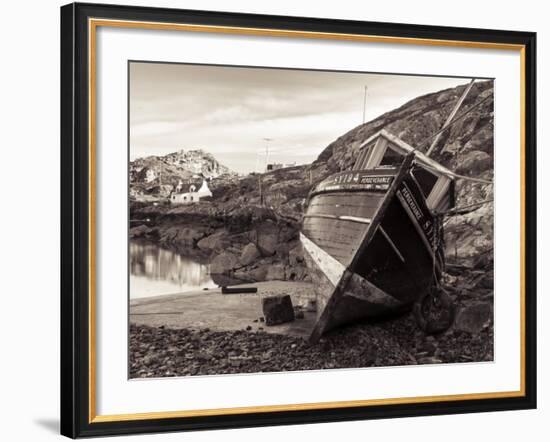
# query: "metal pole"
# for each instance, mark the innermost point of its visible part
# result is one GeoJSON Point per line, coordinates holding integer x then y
{"type": "Point", "coordinates": [267, 140]}
{"type": "Point", "coordinates": [365, 104]}
{"type": "Point", "coordinates": [260, 188]}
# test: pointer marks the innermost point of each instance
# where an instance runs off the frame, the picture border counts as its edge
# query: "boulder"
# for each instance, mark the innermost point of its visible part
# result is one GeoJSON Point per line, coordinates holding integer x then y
{"type": "Point", "coordinates": [188, 236]}
{"type": "Point", "coordinates": [277, 309]}
{"type": "Point", "coordinates": [281, 251]}
{"type": "Point", "coordinates": [310, 305]}
{"type": "Point", "coordinates": [474, 318]}
{"type": "Point", "coordinates": [224, 263]}
{"type": "Point", "coordinates": [212, 242]}
{"type": "Point", "coordinates": [138, 231]}
{"type": "Point", "coordinates": [482, 139]}
{"type": "Point", "coordinates": [182, 236]}
{"type": "Point", "coordinates": [268, 238]}
{"type": "Point", "coordinates": [249, 254]}
{"type": "Point", "coordinates": [276, 272]}
{"type": "Point", "coordinates": [475, 162]}
{"type": "Point", "coordinates": [295, 273]}
{"type": "Point", "coordinates": [296, 255]}
{"type": "Point", "coordinates": [256, 274]}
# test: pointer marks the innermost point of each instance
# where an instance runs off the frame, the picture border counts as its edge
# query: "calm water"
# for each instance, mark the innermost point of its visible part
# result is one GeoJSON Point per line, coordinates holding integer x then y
{"type": "Point", "coordinates": [156, 271]}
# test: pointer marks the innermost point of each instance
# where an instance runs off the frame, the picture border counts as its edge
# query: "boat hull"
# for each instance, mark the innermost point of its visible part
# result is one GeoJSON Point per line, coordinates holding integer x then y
{"type": "Point", "coordinates": [369, 246]}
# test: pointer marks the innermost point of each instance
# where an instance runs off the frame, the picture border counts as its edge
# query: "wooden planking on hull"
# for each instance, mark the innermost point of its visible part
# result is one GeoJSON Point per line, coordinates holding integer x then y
{"type": "Point", "coordinates": [337, 300]}
{"type": "Point", "coordinates": [336, 237]}
{"type": "Point", "coordinates": [325, 271]}
{"type": "Point", "coordinates": [359, 204]}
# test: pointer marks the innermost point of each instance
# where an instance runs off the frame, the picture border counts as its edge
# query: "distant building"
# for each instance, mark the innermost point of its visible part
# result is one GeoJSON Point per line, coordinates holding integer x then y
{"type": "Point", "coordinates": [275, 166]}
{"type": "Point", "coordinates": [193, 196]}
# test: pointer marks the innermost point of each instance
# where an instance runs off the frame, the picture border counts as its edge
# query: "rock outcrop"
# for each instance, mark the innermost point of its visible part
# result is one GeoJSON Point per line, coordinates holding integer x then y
{"type": "Point", "coordinates": [159, 175]}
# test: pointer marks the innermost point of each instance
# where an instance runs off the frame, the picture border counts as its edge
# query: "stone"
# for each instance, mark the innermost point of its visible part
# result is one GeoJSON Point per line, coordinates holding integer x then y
{"type": "Point", "coordinates": [213, 242]}
{"type": "Point", "coordinates": [182, 236]}
{"type": "Point", "coordinates": [310, 305]}
{"type": "Point", "coordinates": [138, 231]}
{"type": "Point", "coordinates": [249, 254]}
{"type": "Point", "coordinates": [475, 162]}
{"type": "Point", "coordinates": [430, 360]}
{"type": "Point", "coordinates": [277, 309]}
{"type": "Point", "coordinates": [224, 263]}
{"type": "Point", "coordinates": [295, 273]}
{"type": "Point", "coordinates": [487, 281]}
{"type": "Point", "coordinates": [268, 238]}
{"type": "Point", "coordinates": [275, 272]}
{"type": "Point", "coordinates": [482, 139]}
{"type": "Point", "coordinates": [429, 347]}
{"type": "Point", "coordinates": [296, 255]}
{"type": "Point", "coordinates": [474, 318]}
{"type": "Point", "coordinates": [257, 274]}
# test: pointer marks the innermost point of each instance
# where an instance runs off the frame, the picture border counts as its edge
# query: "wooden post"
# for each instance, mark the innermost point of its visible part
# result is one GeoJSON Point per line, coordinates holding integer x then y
{"type": "Point", "coordinates": [451, 115]}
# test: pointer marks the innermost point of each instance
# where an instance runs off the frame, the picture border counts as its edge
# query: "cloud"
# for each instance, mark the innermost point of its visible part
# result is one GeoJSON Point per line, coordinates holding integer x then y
{"type": "Point", "coordinates": [228, 110]}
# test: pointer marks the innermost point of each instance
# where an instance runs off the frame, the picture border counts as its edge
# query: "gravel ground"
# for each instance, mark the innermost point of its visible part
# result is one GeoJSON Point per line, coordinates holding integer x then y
{"type": "Point", "coordinates": [163, 352]}
{"type": "Point", "coordinates": [157, 352]}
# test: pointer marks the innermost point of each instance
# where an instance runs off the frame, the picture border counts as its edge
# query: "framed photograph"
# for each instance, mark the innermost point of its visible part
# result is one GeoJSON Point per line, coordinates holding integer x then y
{"type": "Point", "coordinates": [274, 220]}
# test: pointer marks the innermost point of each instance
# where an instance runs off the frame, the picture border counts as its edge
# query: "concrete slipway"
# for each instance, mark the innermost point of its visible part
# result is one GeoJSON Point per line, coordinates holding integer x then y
{"type": "Point", "coordinates": [210, 309]}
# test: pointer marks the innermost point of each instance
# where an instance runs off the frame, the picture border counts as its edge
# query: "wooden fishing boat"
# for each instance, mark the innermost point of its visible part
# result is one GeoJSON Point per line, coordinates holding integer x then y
{"type": "Point", "coordinates": [371, 235]}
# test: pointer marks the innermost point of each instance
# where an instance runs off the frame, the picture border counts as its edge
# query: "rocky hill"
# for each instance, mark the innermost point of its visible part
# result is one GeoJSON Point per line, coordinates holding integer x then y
{"type": "Point", "coordinates": [244, 237]}
{"type": "Point", "coordinates": [147, 173]}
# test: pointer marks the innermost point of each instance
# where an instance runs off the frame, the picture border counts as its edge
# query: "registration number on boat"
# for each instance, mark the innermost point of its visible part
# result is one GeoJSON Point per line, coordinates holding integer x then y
{"type": "Point", "coordinates": [359, 181]}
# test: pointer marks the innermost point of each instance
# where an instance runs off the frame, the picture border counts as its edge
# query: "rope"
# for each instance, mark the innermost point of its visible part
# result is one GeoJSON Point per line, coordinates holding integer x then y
{"type": "Point", "coordinates": [444, 128]}
{"type": "Point", "coordinates": [462, 115]}
{"type": "Point", "coordinates": [455, 210]}
{"type": "Point", "coordinates": [437, 232]}
{"type": "Point", "coordinates": [458, 176]}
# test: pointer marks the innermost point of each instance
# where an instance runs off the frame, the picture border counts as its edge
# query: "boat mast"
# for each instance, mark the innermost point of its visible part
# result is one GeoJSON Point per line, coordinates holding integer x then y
{"type": "Point", "coordinates": [451, 116]}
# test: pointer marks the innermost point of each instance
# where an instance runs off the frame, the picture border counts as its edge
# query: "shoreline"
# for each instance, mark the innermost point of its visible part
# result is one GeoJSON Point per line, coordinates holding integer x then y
{"type": "Point", "coordinates": [211, 309]}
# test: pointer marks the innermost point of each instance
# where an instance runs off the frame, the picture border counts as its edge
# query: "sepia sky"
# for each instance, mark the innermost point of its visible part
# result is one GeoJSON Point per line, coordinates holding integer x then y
{"type": "Point", "coordinates": [228, 111]}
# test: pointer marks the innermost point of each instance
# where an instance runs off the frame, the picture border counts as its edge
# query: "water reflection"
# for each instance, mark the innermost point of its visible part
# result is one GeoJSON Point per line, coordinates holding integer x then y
{"type": "Point", "coordinates": [157, 271]}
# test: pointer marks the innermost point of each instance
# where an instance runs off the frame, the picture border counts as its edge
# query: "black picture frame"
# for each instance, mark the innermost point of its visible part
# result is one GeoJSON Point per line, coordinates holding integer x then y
{"type": "Point", "coordinates": [76, 418]}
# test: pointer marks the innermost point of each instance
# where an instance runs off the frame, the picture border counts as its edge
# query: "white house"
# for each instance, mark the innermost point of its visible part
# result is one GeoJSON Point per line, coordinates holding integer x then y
{"type": "Point", "coordinates": [193, 196]}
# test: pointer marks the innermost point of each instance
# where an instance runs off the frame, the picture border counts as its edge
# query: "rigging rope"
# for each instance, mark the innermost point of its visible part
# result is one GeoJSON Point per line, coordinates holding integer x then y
{"type": "Point", "coordinates": [462, 115]}
{"type": "Point", "coordinates": [458, 176]}
{"type": "Point", "coordinates": [457, 210]}
{"type": "Point", "coordinates": [444, 128]}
